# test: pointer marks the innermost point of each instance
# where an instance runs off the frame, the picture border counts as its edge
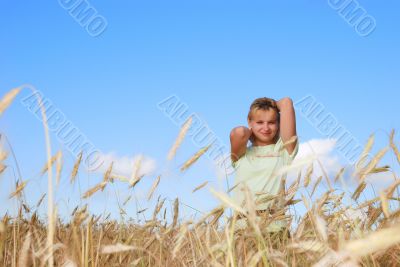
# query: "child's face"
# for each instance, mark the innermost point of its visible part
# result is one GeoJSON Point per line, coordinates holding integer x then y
{"type": "Point", "coordinates": [265, 125]}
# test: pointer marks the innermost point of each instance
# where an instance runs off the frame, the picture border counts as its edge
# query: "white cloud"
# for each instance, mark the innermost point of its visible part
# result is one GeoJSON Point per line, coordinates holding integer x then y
{"type": "Point", "coordinates": [323, 150]}
{"type": "Point", "coordinates": [318, 146]}
{"type": "Point", "coordinates": [125, 165]}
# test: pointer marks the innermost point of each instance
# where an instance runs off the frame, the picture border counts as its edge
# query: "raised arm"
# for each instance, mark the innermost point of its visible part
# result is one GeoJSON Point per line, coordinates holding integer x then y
{"type": "Point", "coordinates": [239, 137]}
{"type": "Point", "coordinates": [288, 122]}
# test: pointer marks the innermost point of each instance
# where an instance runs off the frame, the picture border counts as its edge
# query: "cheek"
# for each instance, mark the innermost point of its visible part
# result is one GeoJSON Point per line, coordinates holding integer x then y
{"type": "Point", "coordinates": [256, 126]}
{"type": "Point", "coordinates": [275, 127]}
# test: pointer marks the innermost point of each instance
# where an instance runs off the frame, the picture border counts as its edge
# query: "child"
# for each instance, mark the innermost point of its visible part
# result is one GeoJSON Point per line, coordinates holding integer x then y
{"type": "Point", "coordinates": [271, 125]}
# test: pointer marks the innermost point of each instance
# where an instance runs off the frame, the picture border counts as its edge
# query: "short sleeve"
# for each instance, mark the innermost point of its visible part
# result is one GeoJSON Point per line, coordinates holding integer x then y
{"type": "Point", "coordinates": [235, 164]}
{"type": "Point", "coordinates": [295, 150]}
{"type": "Point", "coordinates": [279, 147]}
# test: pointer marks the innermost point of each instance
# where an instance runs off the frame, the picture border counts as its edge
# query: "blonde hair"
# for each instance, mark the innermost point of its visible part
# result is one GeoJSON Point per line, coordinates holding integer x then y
{"type": "Point", "coordinates": [263, 103]}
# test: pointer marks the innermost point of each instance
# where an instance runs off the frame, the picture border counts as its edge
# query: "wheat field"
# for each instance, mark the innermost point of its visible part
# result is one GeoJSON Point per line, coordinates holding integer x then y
{"type": "Point", "coordinates": [325, 235]}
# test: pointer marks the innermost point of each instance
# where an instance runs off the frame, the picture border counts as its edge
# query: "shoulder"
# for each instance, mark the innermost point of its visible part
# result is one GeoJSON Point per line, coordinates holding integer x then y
{"type": "Point", "coordinates": [279, 147]}
{"type": "Point", "coordinates": [235, 164]}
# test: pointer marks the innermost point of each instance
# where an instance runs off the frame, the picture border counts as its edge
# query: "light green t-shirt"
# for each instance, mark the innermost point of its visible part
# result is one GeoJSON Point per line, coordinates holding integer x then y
{"type": "Point", "coordinates": [256, 169]}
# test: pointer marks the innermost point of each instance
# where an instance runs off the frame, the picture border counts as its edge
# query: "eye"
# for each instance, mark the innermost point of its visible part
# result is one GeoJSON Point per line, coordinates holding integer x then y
{"type": "Point", "coordinates": [259, 122]}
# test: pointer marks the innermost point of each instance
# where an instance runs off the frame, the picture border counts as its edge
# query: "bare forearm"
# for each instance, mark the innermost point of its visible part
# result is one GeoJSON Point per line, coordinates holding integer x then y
{"type": "Point", "coordinates": [239, 137]}
{"type": "Point", "coordinates": [287, 121]}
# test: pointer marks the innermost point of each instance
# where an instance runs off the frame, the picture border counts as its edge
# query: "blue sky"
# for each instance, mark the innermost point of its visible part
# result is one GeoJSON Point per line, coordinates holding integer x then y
{"type": "Point", "coordinates": [215, 56]}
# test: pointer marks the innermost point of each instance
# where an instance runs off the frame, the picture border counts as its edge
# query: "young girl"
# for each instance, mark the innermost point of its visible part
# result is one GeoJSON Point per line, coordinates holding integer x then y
{"type": "Point", "coordinates": [271, 125]}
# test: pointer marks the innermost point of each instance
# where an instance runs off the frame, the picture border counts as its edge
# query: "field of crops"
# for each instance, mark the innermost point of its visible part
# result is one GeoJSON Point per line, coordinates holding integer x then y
{"type": "Point", "coordinates": [326, 234]}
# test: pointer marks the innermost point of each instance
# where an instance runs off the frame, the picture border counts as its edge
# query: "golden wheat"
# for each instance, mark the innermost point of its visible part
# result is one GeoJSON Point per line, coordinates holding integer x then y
{"type": "Point", "coordinates": [335, 229]}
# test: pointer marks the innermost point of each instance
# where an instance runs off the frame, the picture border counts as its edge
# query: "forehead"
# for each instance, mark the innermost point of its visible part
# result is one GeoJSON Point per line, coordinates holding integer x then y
{"type": "Point", "coordinates": [264, 115]}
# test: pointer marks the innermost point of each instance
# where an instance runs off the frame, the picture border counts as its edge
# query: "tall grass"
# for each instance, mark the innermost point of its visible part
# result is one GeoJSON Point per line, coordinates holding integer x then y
{"type": "Point", "coordinates": [325, 235]}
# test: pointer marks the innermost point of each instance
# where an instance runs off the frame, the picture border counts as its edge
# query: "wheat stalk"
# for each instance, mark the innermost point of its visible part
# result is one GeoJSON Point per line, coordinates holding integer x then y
{"type": "Point", "coordinates": [76, 168]}
{"type": "Point", "coordinates": [176, 213]}
{"type": "Point", "coordinates": [18, 190]}
{"type": "Point", "coordinates": [52, 160]}
{"type": "Point", "coordinates": [154, 187]}
{"type": "Point", "coordinates": [59, 165]}
{"type": "Point", "coordinates": [8, 99]}
{"type": "Point", "coordinates": [107, 174]}
{"type": "Point", "coordinates": [309, 172]}
{"type": "Point", "coordinates": [182, 133]}
{"type": "Point", "coordinates": [194, 158]}
{"type": "Point", "coordinates": [367, 149]}
{"type": "Point", "coordinates": [200, 186]}
{"type": "Point", "coordinates": [394, 147]}
{"type": "Point", "coordinates": [94, 189]}
{"type": "Point", "coordinates": [359, 190]}
{"type": "Point", "coordinates": [373, 163]}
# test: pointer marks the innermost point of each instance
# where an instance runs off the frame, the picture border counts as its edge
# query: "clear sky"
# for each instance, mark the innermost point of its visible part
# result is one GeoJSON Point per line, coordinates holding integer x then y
{"type": "Point", "coordinates": [215, 56]}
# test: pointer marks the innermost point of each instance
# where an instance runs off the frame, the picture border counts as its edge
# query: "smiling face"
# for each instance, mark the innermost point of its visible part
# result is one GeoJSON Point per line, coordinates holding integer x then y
{"type": "Point", "coordinates": [265, 126]}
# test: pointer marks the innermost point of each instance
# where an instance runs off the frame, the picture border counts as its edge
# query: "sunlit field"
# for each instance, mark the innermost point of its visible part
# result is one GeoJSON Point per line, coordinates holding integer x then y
{"type": "Point", "coordinates": [326, 234]}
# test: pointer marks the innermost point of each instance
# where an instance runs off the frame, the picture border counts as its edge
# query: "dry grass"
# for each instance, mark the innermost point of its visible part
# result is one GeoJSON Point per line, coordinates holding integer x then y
{"type": "Point", "coordinates": [325, 235]}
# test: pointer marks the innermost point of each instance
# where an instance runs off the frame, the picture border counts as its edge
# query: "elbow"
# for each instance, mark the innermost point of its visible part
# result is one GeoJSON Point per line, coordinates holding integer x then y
{"type": "Point", "coordinates": [287, 101]}
{"type": "Point", "coordinates": [239, 133]}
